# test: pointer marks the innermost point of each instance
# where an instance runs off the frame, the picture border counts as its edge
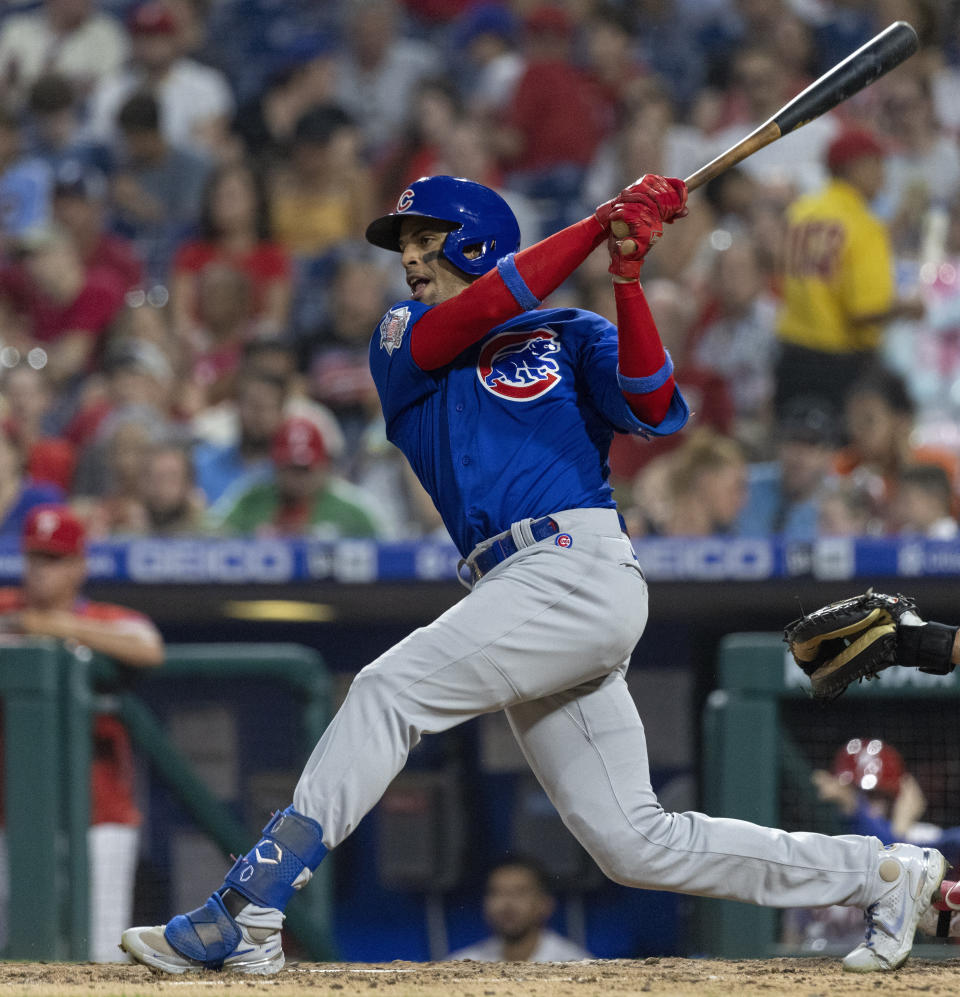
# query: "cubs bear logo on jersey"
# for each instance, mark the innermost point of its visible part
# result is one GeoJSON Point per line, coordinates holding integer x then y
{"type": "Point", "coordinates": [519, 365]}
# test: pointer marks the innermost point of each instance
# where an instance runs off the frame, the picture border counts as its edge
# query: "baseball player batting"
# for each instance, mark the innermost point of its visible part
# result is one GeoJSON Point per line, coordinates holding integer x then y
{"type": "Point", "coordinates": [506, 412]}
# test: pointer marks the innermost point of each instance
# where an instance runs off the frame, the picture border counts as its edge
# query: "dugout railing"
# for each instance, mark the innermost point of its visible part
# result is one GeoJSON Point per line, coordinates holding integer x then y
{"type": "Point", "coordinates": [763, 736]}
{"type": "Point", "coordinates": [49, 694]}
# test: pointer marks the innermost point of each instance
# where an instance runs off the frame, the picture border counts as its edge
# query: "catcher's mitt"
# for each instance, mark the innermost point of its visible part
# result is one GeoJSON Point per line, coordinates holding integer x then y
{"type": "Point", "coordinates": [847, 640]}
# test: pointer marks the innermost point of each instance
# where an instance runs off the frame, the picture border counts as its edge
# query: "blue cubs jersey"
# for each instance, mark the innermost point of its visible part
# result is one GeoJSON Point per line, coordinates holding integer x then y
{"type": "Point", "coordinates": [518, 425]}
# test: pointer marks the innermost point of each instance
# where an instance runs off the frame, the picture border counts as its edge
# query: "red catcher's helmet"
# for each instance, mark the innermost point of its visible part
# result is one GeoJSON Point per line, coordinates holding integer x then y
{"type": "Point", "coordinates": [870, 765]}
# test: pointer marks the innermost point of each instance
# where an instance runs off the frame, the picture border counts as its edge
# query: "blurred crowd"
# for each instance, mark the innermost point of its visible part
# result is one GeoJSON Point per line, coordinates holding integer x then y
{"type": "Point", "coordinates": [186, 298]}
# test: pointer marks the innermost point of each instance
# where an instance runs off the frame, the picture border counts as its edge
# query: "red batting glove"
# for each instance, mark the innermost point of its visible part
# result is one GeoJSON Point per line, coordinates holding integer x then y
{"type": "Point", "coordinates": [666, 195]}
{"type": "Point", "coordinates": [643, 227]}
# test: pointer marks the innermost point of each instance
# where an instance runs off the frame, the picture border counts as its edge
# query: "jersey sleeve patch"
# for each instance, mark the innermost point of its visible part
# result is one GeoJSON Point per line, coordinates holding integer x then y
{"type": "Point", "coordinates": [392, 328]}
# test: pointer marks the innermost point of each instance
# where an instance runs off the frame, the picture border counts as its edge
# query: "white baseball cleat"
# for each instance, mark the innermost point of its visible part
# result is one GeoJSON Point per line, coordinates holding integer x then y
{"type": "Point", "coordinates": [210, 937]}
{"type": "Point", "coordinates": [149, 946]}
{"type": "Point", "coordinates": [914, 875]}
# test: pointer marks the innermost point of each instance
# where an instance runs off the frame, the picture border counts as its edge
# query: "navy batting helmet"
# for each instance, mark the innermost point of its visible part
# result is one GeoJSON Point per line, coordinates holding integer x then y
{"type": "Point", "coordinates": [482, 219]}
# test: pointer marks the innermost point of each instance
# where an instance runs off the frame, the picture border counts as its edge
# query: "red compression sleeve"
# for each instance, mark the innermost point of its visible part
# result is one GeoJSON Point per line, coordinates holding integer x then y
{"type": "Point", "coordinates": [640, 352]}
{"type": "Point", "coordinates": [448, 329]}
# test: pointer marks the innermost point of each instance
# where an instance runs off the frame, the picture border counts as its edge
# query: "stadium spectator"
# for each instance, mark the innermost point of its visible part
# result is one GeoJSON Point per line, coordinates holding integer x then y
{"type": "Point", "coordinates": [235, 230]}
{"type": "Point", "coordinates": [69, 37]}
{"type": "Point", "coordinates": [555, 120]}
{"type": "Point", "coordinates": [196, 100]}
{"type": "Point", "coordinates": [303, 76]}
{"type": "Point", "coordinates": [67, 310]}
{"type": "Point", "coordinates": [79, 206]}
{"type": "Point", "coordinates": [379, 69]}
{"type": "Point", "coordinates": [926, 353]}
{"type": "Point", "coordinates": [337, 365]}
{"type": "Point", "coordinates": [24, 185]}
{"type": "Point", "coordinates": [28, 404]}
{"type": "Point", "coordinates": [136, 373]}
{"type": "Point", "coordinates": [707, 486]}
{"type": "Point", "coordinates": [232, 464]}
{"type": "Point", "coordinates": [669, 48]}
{"type": "Point", "coordinates": [838, 287]}
{"type": "Point", "coordinates": [18, 493]}
{"type": "Point", "coordinates": [486, 58]}
{"type": "Point", "coordinates": [944, 75]}
{"type": "Point", "coordinates": [923, 503]}
{"type": "Point", "coordinates": [224, 324]}
{"type": "Point", "coordinates": [279, 357]}
{"type": "Point", "coordinates": [759, 88]}
{"type": "Point", "coordinates": [325, 193]}
{"type": "Point", "coordinates": [301, 497]}
{"type": "Point", "coordinates": [53, 126]}
{"type": "Point", "coordinates": [784, 494]}
{"type": "Point", "coordinates": [879, 420]}
{"type": "Point", "coordinates": [31, 424]}
{"type": "Point", "coordinates": [848, 508]}
{"type": "Point", "coordinates": [612, 62]}
{"type": "Point", "coordinates": [49, 603]}
{"type": "Point", "coordinates": [517, 905]}
{"type": "Point", "coordinates": [108, 494]}
{"type": "Point", "coordinates": [434, 111]}
{"type": "Point", "coordinates": [735, 338]}
{"type": "Point", "coordinates": [173, 503]}
{"type": "Point", "coordinates": [156, 192]}
{"type": "Point", "coordinates": [923, 164]}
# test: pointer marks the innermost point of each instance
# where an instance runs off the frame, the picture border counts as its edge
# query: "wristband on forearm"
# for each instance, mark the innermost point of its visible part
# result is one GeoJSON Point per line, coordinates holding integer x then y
{"type": "Point", "coordinates": [928, 647]}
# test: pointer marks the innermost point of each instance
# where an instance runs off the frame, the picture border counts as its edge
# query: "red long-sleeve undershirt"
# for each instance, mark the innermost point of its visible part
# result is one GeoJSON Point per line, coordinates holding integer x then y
{"type": "Point", "coordinates": [445, 331]}
{"type": "Point", "coordinates": [640, 352]}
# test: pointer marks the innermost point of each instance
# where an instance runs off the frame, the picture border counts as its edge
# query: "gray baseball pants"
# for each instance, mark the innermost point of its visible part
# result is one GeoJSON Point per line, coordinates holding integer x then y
{"type": "Point", "coordinates": [547, 637]}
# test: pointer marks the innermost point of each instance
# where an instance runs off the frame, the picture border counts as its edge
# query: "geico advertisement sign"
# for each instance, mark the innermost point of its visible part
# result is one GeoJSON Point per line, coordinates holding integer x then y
{"type": "Point", "coordinates": [209, 561]}
{"type": "Point", "coordinates": [707, 559]}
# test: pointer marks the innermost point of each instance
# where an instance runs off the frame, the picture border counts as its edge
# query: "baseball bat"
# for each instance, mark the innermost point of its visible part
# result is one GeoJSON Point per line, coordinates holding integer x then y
{"type": "Point", "coordinates": [878, 56]}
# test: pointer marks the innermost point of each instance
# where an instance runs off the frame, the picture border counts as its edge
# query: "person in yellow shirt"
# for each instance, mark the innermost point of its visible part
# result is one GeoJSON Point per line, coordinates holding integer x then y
{"type": "Point", "coordinates": [838, 282]}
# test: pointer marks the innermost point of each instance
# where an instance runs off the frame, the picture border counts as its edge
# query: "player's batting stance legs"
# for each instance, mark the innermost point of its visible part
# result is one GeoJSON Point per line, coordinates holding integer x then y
{"type": "Point", "coordinates": [506, 411]}
{"type": "Point", "coordinates": [579, 729]}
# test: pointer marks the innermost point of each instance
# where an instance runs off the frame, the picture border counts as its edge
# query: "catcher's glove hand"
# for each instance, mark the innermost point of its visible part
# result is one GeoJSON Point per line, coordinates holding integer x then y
{"type": "Point", "coordinates": [850, 639]}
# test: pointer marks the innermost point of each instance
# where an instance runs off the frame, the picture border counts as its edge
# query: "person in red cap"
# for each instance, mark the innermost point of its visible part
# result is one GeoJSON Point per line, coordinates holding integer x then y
{"type": "Point", "coordinates": [49, 603]}
{"type": "Point", "coordinates": [838, 282]}
{"type": "Point", "coordinates": [302, 496]}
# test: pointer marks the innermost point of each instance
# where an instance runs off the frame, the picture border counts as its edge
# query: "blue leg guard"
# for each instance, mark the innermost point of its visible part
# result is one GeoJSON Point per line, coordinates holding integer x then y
{"type": "Point", "coordinates": [291, 843]}
{"type": "Point", "coordinates": [265, 876]}
{"type": "Point", "coordinates": [208, 934]}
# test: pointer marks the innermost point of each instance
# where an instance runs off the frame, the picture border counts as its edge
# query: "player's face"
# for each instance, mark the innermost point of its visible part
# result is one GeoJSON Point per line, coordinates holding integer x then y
{"type": "Point", "coordinates": [430, 276]}
{"type": "Point", "coordinates": [51, 582]}
{"type": "Point", "coordinates": [514, 904]}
